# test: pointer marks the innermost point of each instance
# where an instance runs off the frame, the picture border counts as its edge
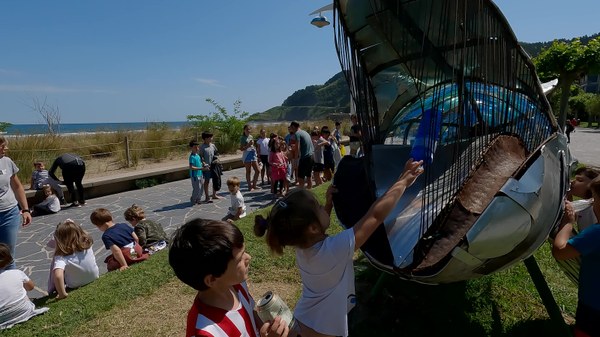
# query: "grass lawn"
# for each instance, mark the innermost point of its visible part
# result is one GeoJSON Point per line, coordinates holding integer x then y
{"type": "Point", "coordinates": [147, 300]}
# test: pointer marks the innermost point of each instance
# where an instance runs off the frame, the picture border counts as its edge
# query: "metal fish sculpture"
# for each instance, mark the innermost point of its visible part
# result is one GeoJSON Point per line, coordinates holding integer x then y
{"type": "Point", "coordinates": [446, 81]}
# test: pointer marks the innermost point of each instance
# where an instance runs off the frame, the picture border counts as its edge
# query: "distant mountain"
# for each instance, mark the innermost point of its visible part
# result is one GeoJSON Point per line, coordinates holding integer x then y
{"type": "Point", "coordinates": [319, 101]}
{"type": "Point", "coordinates": [312, 102]}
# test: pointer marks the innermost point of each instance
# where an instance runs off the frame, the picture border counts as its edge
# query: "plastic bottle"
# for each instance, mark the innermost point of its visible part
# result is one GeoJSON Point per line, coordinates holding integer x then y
{"type": "Point", "coordinates": [427, 136]}
{"type": "Point", "coordinates": [133, 253]}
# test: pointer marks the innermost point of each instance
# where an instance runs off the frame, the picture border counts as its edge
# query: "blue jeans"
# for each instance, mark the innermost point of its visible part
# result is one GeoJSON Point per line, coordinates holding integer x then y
{"type": "Point", "coordinates": [10, 221]}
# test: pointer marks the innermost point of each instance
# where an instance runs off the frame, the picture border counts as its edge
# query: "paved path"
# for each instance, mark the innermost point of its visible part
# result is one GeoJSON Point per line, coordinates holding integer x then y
{"type": "Point", "coordinates": [167, 203]}
{"type": "Point", "coordinates": [585, 146]}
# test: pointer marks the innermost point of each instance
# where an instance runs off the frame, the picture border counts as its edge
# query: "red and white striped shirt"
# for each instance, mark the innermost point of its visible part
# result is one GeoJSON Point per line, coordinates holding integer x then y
{"type": "Point", "coordinates": [208, 321]}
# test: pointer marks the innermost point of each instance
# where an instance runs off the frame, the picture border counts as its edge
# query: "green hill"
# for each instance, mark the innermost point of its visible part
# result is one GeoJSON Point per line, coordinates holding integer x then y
{"type": "Point", "coordinates": [318, 101]}
{"type": "Point", "coordinates": [312, 102]}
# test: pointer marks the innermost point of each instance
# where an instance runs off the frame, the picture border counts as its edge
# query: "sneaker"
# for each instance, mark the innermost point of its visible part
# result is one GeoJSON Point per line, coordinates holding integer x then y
{"type": "Point", "coordinates": [75, 204]}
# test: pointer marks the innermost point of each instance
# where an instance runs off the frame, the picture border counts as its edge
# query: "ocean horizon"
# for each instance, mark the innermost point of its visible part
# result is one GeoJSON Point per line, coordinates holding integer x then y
{"type": "Point", "coordinates": [67, 128]}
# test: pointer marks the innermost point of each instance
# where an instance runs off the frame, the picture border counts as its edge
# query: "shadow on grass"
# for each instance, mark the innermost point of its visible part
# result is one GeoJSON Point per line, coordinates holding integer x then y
{"type": "Point", "coordinates": [389, 306]}
{"type": "Point", "coordinates": [403, 308]}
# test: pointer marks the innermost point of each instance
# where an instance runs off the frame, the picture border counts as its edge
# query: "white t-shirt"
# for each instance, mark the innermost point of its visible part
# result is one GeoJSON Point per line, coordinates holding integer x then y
{"type": "Point", "coordinates": [327, 272]}
{"type": "Point", "coordinates": [15, 306]}
{"type": "Point", "coordinates": [585, 213]}
{"type": "Point", "coordinates": [7, 196]}
{"type": "Point", "coordinates": [237, 201]}
{"type": "Point", "coordinates": [80, 268]}
{"type": "Point", "coordinates": [51, 203]}
{"type": "Point", "coordinates": [264, 146]}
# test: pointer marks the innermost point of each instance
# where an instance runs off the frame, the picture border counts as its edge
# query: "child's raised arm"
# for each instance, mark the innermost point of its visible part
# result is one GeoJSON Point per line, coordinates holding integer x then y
{"type": "Point", "coordinates": [382, 207]}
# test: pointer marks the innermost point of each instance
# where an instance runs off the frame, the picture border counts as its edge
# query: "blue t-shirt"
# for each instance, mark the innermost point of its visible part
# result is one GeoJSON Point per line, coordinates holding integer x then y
{"type": "Point", "coordinates": [120, 234]}
{"type": "Point", "coordinates": [587, 244]}
{"type": "Point", "coordinates": [196, 162]}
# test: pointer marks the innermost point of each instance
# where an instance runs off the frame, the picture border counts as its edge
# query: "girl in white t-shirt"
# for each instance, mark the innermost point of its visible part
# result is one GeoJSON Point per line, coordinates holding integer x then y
{"type": "Point", "coordinates": [74, 263]}
{"type": "Point", "coordinates": [325, 262]}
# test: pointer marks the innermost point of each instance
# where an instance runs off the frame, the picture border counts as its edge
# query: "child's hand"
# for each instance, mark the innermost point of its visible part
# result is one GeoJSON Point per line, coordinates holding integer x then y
{"type": "Point", "coordinates": [568, 215]}
{"type": "Point", "coordinates": [278, 327]}
{"type": "Point", "coordinates": [412, 169]}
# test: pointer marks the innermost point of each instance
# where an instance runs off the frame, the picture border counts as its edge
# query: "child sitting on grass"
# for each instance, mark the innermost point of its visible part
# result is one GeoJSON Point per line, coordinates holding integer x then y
{"type": "Point", "coordinates": [15, 306]}
{"type": "Point", "coordinates": [151, 235]}
{"type": "Point", "coordinates": [210, 256]}
{"type": "Point", "coordinates": [587, 245]}
{"type": "Point", "coordinates": [74, 264]}
{"type": "Point", "coordinates": [119, 239]}
{"type": "Point", "coordinates": [50, 205]}
{"type": "Point", "coordinates": [238, 207]}
{"type": "Point", "coordinates": [325, 262]}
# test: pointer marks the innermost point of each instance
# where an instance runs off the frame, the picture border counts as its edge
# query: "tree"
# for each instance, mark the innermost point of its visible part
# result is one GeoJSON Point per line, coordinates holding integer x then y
{"type": "Point", "coordinates": [50, 114]}
{"type": "Point", "coordinates": [4, 126]}
{"type": "Point", "coordinates": [569, 62]}
{"type": "Point", "coordinates": [226, 126]}
{"type": "Point", "coordinates": [593, 107]}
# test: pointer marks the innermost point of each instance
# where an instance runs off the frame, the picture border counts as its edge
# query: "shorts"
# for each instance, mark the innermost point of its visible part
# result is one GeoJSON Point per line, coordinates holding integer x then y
{"type": "Point", "coordinates": [305, 166]}
{"type": "Point", "coordinates": [318, 167]}
{"type": "Point", "coordinates": [207, 175]}
{"type": "Point", "coordinates": [249, 156]}
{"type": "Point", "coordinates": [265, 160]}
{"type": "Point", "coordinates": [330, 164]}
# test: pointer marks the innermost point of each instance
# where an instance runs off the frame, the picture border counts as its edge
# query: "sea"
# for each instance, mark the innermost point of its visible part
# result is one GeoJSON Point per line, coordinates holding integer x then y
{"type": "Point", "coordinates": [74, 128]}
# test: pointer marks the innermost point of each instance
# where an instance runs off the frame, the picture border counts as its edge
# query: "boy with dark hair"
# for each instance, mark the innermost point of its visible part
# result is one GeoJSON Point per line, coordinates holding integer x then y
{"type": "Point", "coordinates": [587, 245]}
{"type": "Point", "coordinates": [120, 239]}
{"type": "Point", "coordinates": [210, 256]}
{"type": "Point", "coordinates": [209, 155]}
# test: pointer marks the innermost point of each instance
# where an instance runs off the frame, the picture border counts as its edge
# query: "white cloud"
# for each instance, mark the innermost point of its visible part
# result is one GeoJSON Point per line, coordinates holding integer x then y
{"type": "Point", "coordinates": [49, 89]}
{"type": "Point", "coordinates": [208, 81]}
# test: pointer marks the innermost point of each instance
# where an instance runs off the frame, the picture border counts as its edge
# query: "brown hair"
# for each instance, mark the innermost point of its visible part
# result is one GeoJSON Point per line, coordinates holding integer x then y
{"type": "Point", "coordinates": [46, 188]}
{"type": "Point", "coordinates": [203, 247]}
{"type": "Point", "coordinates": [100, 216]}
{"type": "Point", "coordinates": [590, 173]}
{"type": "Point", "coordinates": [134, 212]}
{"type": "Point", "coordinates": [595, 187]}
{"type": "Point", "coordinates": [288, 221]}
{"type": "Point", "coordinates": [71, 238]}
{"type": "Point", "coordinates": [233, 181]}
{"type": "Point", "coordinates": [5, 257]}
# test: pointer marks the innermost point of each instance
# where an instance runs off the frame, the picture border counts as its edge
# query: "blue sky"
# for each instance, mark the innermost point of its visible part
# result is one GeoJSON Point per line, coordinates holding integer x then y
{"type": "Point", "coordinates": [135, 61]}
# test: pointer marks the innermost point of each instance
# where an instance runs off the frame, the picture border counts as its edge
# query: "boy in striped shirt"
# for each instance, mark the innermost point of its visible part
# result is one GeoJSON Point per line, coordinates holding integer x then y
{"type": "Point", "coordinates": [209, 256]}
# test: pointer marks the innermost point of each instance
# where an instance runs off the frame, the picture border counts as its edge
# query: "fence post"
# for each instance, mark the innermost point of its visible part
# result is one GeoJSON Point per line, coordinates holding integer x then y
{"type": "Point", "coordinates": [127, 154]}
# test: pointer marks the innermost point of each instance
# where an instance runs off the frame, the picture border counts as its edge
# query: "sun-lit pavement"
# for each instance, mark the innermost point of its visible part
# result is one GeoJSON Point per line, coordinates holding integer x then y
{"type": "Point", "coordinates": [166, 203]}
{"type": "Point", "coordinates": [585, 146]}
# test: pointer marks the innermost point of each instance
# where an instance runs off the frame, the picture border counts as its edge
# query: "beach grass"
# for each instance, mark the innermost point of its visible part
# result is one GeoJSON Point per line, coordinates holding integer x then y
{"type": "Point", "coordinates": [148, 300]}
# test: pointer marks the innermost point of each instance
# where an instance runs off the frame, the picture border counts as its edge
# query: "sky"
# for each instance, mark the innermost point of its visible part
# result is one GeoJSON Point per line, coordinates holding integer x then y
{"type": "Point", "coordinates": [152, 61]}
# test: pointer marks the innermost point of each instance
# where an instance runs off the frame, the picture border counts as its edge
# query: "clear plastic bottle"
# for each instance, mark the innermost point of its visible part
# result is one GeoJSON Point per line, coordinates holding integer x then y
{"type": "Point", "coordinates": [427, 136]}
{"type": "Point", "coordinates": [133, 253]}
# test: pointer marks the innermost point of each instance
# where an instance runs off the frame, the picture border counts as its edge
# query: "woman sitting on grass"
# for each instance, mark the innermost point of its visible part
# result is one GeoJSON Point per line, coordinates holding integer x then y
{"type": "Point", "coordinates": [74, 263]}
